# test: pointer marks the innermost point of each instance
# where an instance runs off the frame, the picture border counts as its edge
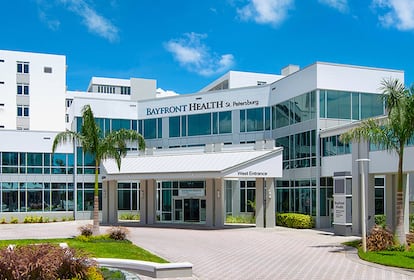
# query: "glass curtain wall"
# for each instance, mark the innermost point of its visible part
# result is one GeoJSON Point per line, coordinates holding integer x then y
{"type": "Point", "coordinates": [350, 105]}
{"type": "Point", "coordinates": [298, 196]}
{"type": "Point", "coordinates": [200, 124]}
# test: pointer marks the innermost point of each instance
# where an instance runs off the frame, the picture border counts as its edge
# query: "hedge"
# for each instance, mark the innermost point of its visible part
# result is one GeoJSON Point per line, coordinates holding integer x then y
{"type": "Point", "coordinates": [294, 220]}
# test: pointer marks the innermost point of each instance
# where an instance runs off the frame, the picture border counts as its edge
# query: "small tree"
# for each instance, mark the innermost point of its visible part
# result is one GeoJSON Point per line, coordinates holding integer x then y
{"type": "Point", "coordinates": [112, 146]}
{"type": "Point", "coordinates": [392, 133]}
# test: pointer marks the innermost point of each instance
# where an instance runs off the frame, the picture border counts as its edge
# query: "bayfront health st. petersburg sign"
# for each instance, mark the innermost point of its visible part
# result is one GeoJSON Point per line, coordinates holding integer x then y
{"type": "Point", "coordinates": [198, 106]}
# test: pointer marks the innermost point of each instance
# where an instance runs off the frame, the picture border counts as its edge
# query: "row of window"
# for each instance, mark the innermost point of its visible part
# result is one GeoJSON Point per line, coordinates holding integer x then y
{"type": "Point", "coordinates": [200, 124]}
{"type": "Point", "coordinates": [126, 90]}
{"type": "Point", "coordinates": [295, 110]}
{"type": "Point", "coordinates": [350, 105]}
{"type": "Point", "coordinates": [22, 89]}
{"type": "Point", "coordinates": [297, 196]}
{"type": "Point", "coordinates": [106, 89]}
{"type": "Point", "coordinates": [333, 146]}
{"type": "Point", "coordinates": [23, 67]}
{"type": "Point", "coordinates": [299, 150]}
{"type": "Point", "coordinates": [22, 110]}
{"type": "Point", "coordinates": [46, 163]}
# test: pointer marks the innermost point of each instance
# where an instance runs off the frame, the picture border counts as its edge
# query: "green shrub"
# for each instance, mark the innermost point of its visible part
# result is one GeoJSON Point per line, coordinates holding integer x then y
{"type": "Point", "coordinates": [294, 220]}
{"type": "Point", "coordinates": [64, 219]}
{"type": "Point", "coordinates": [34, 219]}
{"type": "Point", "coordinates": [86, 230]}
{"type": "Point", "coordinates": [112, 274]}
{"type": "Point", "coordinates": [43, 261]}
{"type": "Point", "coordinates": [3, 221]}
{"type": "Point", "coordinates": [241, 219]}
{"type": "Point", "coordinates": [411, 219]}
{"type": "Point", "coordinates": [130, 216]}
{"type": "Point", "coordinates": [118, 233]}
{"type": "Point", "coordinates": [14, 220]}
{"type": "Point", "coordinates": [380, 220]}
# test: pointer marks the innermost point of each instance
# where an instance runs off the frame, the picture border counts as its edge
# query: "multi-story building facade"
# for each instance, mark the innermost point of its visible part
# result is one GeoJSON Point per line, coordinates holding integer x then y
{"type": "Point", "coordinates": [302, 110]}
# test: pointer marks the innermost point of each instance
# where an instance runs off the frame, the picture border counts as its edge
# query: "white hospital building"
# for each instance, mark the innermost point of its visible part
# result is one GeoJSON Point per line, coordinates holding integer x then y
{"type": "Point", "coordinates": [208, 153]}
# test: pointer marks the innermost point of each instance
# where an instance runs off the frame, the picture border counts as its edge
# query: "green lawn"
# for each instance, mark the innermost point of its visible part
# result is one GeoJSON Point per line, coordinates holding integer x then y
{"type": "Point", "coordinates": [99, 248]}
{"type": "Point", "coordinates": [402, 259]}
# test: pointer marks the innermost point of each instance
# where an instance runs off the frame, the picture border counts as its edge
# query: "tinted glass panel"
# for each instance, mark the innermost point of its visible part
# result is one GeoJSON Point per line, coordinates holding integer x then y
{"type": "Point", "coordinates": [339, 105]}
{"type": "Point", "coordinates": [199, 124]}
{"type": "Point", "coordinates": [174, 124]}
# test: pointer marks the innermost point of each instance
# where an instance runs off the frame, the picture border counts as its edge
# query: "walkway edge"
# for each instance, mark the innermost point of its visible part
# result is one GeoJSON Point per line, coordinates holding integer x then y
{"type": "Point", "coordinates": [352, 254]}
{"type": "Point", "coordinates": [151, 269]}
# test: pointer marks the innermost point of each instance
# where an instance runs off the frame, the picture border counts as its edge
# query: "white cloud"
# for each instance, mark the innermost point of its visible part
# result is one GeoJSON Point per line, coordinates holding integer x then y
{"type": "Point", "coordinates": [340, 5]}
{"type": "Point", "coordinates": [266, 11]}
{"type": "Point", "coordinates": [395, 13]}
{"type": "Point", "coordinates": [196, 57]}
{"type": "Point", "coordinates": [95, 22]}
{"type": "Point", "coordinates": [160, 93]}
{"type": "Point", "coordinates": [53, 24]}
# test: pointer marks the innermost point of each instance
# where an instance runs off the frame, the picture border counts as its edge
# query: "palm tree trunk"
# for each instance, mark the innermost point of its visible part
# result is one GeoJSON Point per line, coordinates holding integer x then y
{"type": "Point", "coordinates": [95, 229]}
{"type": "Point", "coordinates": [399, 227]}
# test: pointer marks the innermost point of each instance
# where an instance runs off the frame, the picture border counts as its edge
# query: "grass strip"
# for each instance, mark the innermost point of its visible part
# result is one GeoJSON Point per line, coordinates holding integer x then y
{"type": "Point", "coordinates": [401, 259]}
{"type": "Point", "coordinates": [96, 247]}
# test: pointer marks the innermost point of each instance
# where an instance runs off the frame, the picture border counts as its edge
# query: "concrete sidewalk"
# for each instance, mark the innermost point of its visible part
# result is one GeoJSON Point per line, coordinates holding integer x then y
{"type": "Point", "coordinates": [239, 253]}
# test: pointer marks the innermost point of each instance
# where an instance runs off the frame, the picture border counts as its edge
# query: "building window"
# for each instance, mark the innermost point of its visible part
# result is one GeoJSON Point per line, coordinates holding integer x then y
{"type": "Point", "coordinates": [379, 196]}
{"type": "Point", "coordinates": [68, 102]}
{"type": "Point", "coordinates": [1, 83]}
{"type": "Point", "coordinates": [1, 60]}
{"type": "Point", "coordinates": [22, 110]}
{"type": "Point", "coordinates": [47, 70]}
{"type": "Point", "coordinates": [126, 90]}
{"type": "Point", "coordinates": [247, 196]}
{"type": "Point", "coordinates": [23, 67]}
{"type": "Point", "coordinates": [22, 89]}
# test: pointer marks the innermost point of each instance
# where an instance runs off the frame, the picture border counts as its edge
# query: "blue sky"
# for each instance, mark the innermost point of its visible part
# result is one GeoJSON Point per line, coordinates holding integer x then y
{"type": "Point", "coordinates": [186, 44]}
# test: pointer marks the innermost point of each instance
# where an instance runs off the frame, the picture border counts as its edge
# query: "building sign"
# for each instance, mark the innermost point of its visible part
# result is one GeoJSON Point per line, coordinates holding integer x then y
{"type": "Point", "coordinates": [339, 209]}
{"type": "Point", "coordinates": [251, 173]}
{"type": "Point", "coordinates": [191, 192]}
{"type": "Point", "coordinates": [199, 106]}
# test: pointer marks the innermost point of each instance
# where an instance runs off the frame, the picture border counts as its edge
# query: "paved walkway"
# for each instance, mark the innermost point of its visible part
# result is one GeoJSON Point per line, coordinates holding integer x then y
{"type": "Point", "coordinates": [241, 253]}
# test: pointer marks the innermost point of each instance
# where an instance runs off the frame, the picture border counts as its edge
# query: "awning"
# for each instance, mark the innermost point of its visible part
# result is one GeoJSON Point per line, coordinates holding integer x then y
{"type": "Point", "coordinates": [175, 165]}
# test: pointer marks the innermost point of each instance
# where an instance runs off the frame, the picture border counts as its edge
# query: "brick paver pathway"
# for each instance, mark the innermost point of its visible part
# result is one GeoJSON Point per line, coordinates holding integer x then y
{"type": "Point", "coordinates": [253, 253]}
{"type": "Point", "coordinates": [240, 253]}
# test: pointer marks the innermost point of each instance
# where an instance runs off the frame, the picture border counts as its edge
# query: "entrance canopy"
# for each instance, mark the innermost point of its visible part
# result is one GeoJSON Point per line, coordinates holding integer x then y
{"type": "Point", "coordinates": [186, 165]}
{"type": "Point", "coordinates": [200, 205]}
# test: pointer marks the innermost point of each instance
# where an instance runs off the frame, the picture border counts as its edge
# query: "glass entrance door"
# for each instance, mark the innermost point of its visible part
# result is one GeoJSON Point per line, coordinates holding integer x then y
{"type": "Point", "coordinates": [191, 210]}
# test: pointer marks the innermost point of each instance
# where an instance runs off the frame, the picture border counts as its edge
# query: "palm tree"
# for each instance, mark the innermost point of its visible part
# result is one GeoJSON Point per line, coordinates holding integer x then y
{"type": "Point", "coordinates": [112, 146]}
{"type": "Point", "coordinates": [391, 133]}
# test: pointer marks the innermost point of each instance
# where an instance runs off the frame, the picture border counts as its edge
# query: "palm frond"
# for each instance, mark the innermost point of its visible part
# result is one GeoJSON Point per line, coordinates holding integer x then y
{"type": "Point", "coordinates": [65, 137]}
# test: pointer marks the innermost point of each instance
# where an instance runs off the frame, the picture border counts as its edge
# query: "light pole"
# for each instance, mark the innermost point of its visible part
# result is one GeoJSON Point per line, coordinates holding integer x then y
{"type": "Point", "coordinates": [363, 214]}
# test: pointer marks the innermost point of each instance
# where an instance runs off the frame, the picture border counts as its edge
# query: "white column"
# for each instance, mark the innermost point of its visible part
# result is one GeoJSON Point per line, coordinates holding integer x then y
{"type": "Point", "coordinates": [151, 201]}
{"type": "Point", "coordinates": [209, 203]}
{"type": "Point", "coordinates": [143, 202]}
{"type": "Point", "coordinates": [110, 202]}
{"type": "Point", "coordinates": [235, 189]}
{"type": "Point", "coordinates": [219, 210]}
{"type": "Point", "coordinates": [259, 203]}
{"type": "Point", "coordinates": [105, 205]}
{"type": "Point", "coordinates": [270, 199]}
